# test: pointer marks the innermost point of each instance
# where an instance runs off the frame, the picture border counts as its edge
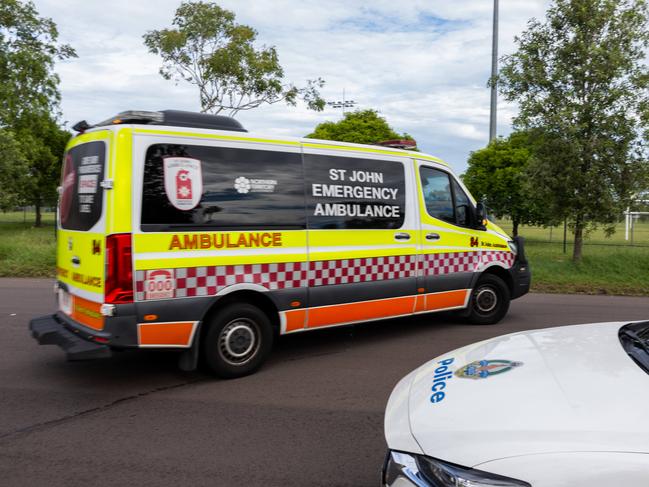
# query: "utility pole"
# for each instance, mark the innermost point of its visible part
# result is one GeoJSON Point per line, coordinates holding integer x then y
{"type": "Point", "coordinates": [494, 73]}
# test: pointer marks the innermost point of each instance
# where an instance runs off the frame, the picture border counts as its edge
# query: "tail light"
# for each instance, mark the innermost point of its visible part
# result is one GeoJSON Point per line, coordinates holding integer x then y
{"type": "Point", "coordinates": [119, 269]}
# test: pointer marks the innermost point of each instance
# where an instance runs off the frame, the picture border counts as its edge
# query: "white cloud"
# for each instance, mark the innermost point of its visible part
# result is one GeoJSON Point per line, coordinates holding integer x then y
{"type": "Point", "coordinates": [423, 64]}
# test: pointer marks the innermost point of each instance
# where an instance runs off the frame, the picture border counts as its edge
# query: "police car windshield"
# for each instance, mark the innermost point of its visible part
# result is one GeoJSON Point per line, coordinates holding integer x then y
{"type": "Point", "coordinates": [635, 340]}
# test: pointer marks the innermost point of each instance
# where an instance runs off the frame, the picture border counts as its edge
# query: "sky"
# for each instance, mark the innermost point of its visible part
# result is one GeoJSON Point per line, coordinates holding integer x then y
{"type": "Point", "coordinates": [423, 64]}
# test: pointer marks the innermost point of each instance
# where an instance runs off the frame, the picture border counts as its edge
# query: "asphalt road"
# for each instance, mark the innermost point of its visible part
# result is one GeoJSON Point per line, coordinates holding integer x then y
{"type": "Point", "coordinates": [313, 416]}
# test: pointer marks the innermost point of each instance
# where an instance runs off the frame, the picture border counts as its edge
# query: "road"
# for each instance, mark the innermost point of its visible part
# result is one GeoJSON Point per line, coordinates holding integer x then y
{"type": "Point", "coordinates": [313, 416]}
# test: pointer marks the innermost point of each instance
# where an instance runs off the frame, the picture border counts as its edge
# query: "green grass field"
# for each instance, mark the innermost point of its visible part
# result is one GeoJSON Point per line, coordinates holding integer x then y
{"type": "Point", "coordinates": [606, 269]}
{"type": "Point", "coordinates": [26, 251]}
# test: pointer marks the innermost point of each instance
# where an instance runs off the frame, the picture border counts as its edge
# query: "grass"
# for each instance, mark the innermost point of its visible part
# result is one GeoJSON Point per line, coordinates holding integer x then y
{"type": "Point", "coordinates": [604, 269]}
{"type": "Point", "coordinates": [555, 234]}
{"type": "Point", "coordinates": [26, 251]}
{"type": "Point", "coordinates": [620, 269]}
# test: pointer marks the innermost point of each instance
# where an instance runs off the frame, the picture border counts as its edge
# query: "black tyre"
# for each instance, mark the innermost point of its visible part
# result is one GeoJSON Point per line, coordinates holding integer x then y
{"type": "Point", "coordinates": [489, 300]}
{"type": "Point", "coordinates": [238, 340]}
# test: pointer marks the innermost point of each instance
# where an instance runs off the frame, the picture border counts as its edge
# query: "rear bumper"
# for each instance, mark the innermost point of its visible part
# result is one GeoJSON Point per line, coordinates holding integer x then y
{"type": "Point", "coordinates": [51, 330]}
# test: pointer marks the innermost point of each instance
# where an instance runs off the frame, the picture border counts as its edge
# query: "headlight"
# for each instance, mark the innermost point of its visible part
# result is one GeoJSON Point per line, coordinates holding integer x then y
{"type": "Point", "coordinates": [407, 470]}
{"type": "Point", "coordinates": [513, 247]}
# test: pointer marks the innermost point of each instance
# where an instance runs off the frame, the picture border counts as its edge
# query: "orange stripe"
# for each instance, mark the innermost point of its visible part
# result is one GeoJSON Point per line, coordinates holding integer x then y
{"type": "Point", "coordinates": [448, 299]}
{"type": "Point", "coordinates": [362, 311]}
{"type": "Point", "coordinates": [168, 334]}
{"type": "Point", "coordinates": [295, 319]}
{"type": "Point", "coordinates": [420, 304]}
{"type": "Point", "coordinates": [87, 313]}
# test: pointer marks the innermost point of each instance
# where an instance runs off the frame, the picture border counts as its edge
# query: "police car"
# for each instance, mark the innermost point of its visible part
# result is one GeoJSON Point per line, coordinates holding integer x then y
{"type": "Point", "coordinates": [555, 407]}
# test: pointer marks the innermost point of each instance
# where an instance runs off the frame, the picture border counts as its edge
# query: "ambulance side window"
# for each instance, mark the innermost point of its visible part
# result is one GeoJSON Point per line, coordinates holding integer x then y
{"type": "Point", "coordinates": [436, 188]}
{"type": "Point", "coordinates": [349, 192]}
{"type": "Point", "coordinates": [444, 197]}
{"type": "Point", "coordinates": [201, 187]}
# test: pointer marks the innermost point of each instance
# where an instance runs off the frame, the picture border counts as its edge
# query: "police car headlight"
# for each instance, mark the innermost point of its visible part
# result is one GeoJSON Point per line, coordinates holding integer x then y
{"type": "Point", "coordinates": [407, 470]}
{"type": "Point", "coordinates": [512, 246]}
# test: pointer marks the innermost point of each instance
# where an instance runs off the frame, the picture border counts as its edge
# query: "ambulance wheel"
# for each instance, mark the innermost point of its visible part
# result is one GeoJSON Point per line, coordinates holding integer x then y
{"type": "Point", "coordinates": [489, 300]}
{"type": "Point", "coordinates": [238, 341]}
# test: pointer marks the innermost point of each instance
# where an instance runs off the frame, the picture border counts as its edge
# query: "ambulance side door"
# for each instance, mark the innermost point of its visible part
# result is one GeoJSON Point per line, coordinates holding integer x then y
{"type": "Point", "coordinates": [362, 233]}
{"type": "Point", "coordinates": [449, 241]}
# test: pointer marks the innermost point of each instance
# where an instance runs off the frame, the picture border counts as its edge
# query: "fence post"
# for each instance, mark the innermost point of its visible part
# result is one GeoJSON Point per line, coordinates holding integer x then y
{"type": "Point", "coordinates": [565, 233]}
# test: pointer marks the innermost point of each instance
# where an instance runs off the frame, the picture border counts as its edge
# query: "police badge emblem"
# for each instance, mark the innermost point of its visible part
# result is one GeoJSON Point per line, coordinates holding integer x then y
{"type": "Point", "coordinates": [481, 369]}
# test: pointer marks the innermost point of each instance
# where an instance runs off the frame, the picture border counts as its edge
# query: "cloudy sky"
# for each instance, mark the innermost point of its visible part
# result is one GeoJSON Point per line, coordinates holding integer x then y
{"type": "Point", "coordinates": [423, 64]}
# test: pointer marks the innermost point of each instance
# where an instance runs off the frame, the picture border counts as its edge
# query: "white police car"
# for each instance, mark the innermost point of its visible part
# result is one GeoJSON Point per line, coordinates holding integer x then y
{"type": "Point", "coordinates": [564, 406]}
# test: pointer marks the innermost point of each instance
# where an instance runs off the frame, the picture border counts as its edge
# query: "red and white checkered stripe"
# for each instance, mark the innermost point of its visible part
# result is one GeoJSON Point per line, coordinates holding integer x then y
{"type": "Point", "coordinates": [345, 271]}
{"type": "Point", "coordinates": [209, 280]}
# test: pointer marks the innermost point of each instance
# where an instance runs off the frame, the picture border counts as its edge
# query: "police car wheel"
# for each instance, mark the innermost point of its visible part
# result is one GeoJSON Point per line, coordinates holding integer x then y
{"type": "Point", "coordinates": [489, 300]}
{"type": "Point", "coordinates": [238, 341]}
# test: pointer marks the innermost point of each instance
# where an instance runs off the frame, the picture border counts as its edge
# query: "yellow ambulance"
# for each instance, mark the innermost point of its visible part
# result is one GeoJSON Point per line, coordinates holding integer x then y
{"type": "Point", "coordinates": [181, 230]}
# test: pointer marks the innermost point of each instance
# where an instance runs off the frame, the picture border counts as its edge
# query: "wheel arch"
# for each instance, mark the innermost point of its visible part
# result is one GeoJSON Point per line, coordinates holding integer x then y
{"type": "Point", "coordinates": [500, 272]}
{"type": "Point", "coordinates": [249, 296]}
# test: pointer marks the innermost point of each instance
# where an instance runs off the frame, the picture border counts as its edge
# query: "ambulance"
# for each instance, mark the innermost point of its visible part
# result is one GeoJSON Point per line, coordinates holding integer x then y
{"type": "Point", "coordinates": [183, 231]}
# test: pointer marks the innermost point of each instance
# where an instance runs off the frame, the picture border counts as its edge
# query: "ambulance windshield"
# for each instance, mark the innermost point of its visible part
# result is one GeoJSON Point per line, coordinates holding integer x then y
{"type": "Point", "coordinates": [81, 199]}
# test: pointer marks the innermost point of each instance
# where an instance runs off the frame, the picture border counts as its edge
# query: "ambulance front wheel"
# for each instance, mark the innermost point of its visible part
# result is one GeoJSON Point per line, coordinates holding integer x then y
{"type": "Point", "coordinates": [238, 340]}
{"type": "Point", "coordinates": [489, 300]}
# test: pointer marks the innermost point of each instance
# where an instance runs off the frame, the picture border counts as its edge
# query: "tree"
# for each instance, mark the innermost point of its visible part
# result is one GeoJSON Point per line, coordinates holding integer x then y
{"type": "Point", "coordinates": [43, 143]}
{"type": "Point", "coordinates": [207, 48]}
{"type": "Point", "coordinates": [13, 170]}
{"type": "Point", "coordinates": [28, 51]}
{"type": "Point", "coordinates": [360, 127]}
{"type": "Point", "coordinates": [498, 174]}
{"type": "Point", "coordinates": [31, 140]}
{"type": "Point", "coordinates": [580, 77]}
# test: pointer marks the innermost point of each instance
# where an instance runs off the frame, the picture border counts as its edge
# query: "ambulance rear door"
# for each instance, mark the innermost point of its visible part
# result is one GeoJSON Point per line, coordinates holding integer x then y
{"type": "Point", "coordinates": [81, 226]}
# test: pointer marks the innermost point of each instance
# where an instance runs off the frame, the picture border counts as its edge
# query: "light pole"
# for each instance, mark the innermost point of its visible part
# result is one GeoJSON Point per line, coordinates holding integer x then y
{"type": "Point", "coordinates": [494, 73]}
{"type": "Point", "coordinates": [342, 104]}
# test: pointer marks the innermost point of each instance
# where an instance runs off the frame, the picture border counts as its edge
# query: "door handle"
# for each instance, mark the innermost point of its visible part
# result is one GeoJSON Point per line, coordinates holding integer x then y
{"type": "Point", "coordinates": [76, 260]}
{"type": "Point", "coordinates": [432, 236]}
{"type": "Point", "coordinates": [402, 236]}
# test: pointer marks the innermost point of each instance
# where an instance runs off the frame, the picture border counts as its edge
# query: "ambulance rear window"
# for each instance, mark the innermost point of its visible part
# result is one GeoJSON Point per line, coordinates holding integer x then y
{"type": "Point", "coordinates": [200, 187]}
{"type": "Point", "coordinates": [81, 199]}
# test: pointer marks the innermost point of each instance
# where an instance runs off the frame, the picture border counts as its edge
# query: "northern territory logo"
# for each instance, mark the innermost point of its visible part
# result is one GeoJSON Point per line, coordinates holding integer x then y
{"type": "Point", "coordinates": [482, 369]}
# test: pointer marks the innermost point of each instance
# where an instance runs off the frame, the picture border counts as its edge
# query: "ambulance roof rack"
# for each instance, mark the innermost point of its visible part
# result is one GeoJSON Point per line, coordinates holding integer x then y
{"type": "Point", "coordinates": [174, 118]}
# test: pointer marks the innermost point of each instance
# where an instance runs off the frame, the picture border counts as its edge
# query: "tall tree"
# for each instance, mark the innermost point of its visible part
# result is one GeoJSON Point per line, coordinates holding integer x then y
{"type": "Point", "coordinates": [13, 170]}
{"type": "Point", "coordinates": [29, 48]}
{"type": "Point", "coordinates": [498, 174]}
{"type": "Point", "coordinates": [43, 143]}
{"type": "Point", "coordinates": [580, 77]}
{"type": "Point", "coordinates": [207, 48]}
{"type": "Point", "coordinates": [29, 101]}
{"type": "Point", "coordinates": [360, 127]}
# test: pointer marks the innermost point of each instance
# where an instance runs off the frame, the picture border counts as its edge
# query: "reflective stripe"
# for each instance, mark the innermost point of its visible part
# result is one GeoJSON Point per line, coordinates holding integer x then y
{"type": "Point", "coordinates": [170, 334]}
{"type": "Point", "coordinates": [376, 309]}
{"type": "Point", "coordinates": [87, 313]}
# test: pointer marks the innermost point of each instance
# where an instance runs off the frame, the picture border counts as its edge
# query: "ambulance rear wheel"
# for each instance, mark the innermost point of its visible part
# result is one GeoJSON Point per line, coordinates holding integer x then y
{"type": "Point", "coordinates": [489, 300]}
{"type": "Point", "coordinates": [238, 341]}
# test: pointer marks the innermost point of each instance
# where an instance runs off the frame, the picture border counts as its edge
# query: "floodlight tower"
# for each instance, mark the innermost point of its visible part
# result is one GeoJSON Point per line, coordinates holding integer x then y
{"type": "Point", "coordinates": [494, 73]}
{"type": "Point", "coordinates": [342, 104]}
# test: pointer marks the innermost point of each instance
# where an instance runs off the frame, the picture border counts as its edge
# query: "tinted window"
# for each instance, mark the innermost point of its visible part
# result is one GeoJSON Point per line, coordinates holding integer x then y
{"type": "Point", "coordinates": [188, 186]}
{"type": "Point", "coordinates": [462, 205]}
{"type": "Point", "coordinates": [82, 195]}
{"type": "Point", "coordinates": [436, 187]}
{"type": "Point", "coordinates": [345, 192]}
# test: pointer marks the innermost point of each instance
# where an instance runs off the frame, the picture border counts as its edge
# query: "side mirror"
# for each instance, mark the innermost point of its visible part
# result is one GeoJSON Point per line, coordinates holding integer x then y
{"type": "Point", "coordinates": [481, 214]}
